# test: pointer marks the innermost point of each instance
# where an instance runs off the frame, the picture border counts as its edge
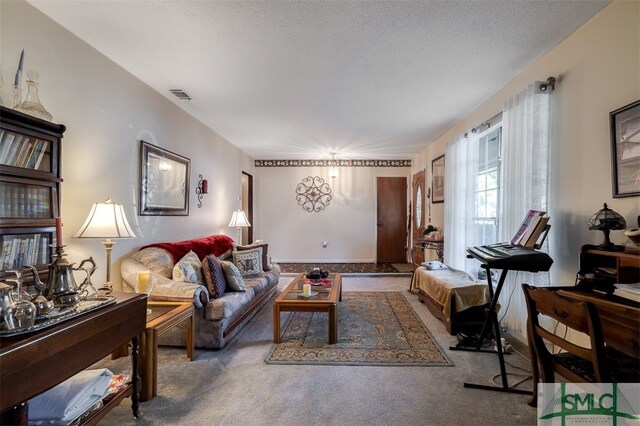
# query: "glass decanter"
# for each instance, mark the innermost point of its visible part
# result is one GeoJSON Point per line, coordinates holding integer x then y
{"type": "Point", "coordinates": [31, 105]}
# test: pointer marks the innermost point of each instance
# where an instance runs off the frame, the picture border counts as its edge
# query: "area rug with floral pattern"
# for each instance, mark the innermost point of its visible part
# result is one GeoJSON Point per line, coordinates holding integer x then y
{"type": "Point", "coordinates": [375, 328]}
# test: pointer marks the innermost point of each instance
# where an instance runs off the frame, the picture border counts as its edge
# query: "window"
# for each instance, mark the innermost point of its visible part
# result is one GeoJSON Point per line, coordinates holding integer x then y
{"type": "Point", "coordinates": [487, 196]}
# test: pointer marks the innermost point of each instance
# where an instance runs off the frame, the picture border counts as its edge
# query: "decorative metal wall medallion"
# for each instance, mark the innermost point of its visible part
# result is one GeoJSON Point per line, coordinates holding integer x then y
{"type": "Point", "coordinates": [313, 194]}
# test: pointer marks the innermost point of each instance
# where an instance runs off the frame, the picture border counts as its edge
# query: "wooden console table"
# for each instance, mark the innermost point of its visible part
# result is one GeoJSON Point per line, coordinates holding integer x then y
{"type": "Point", "coordinates": [35, 362]}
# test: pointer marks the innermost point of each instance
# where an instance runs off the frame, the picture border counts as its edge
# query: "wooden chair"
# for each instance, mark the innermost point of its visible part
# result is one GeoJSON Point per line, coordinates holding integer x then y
{"type": "Point", "coordinates": [577, 363]}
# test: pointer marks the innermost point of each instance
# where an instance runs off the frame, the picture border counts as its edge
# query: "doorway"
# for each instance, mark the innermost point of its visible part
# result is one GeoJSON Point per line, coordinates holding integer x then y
{"type": "Point", "coordinates": [391, 219]}
{"type": "Point", "coordinates": [247, 206]}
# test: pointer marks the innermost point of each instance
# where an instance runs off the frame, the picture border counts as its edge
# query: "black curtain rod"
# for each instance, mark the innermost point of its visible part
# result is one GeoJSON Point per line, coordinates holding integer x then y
{"type": "Point", "coordinates": [542, 86]}
{"type": "Point", "coordinates": [486, 122]}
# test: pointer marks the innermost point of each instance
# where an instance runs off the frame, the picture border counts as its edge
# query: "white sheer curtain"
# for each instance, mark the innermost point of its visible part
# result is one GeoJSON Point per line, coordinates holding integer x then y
{"type": "Point", "coordinates": [461, 159]}
{"type": "Point", "coordinates": [525, 172]}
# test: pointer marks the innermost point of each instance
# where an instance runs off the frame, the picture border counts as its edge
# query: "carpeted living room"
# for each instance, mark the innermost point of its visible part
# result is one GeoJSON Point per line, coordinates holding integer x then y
{"type": "Point", "coordinates": [236, 386]}
{"type": "Point", "coordinates": [315, 212]}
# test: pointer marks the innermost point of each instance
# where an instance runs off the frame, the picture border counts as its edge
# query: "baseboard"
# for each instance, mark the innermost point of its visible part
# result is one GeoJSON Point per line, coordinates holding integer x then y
{"type": "Point", "coordinates": [324, 260]}
{"type": "Point", "coordinates": [517, 344]}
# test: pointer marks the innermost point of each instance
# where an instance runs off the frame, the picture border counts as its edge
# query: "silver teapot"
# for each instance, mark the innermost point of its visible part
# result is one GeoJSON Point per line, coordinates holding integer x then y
{"type": "Point", "coordinates": [61, 285]}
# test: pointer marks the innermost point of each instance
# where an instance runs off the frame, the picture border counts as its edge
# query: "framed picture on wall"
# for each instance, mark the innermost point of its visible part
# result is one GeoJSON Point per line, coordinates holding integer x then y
{"type": "Point", "coordinates": [625, 150]}
{"type": "Point", "coordinates": [164, 182]}
{"type": "Point", "coordinates": [437, 173]}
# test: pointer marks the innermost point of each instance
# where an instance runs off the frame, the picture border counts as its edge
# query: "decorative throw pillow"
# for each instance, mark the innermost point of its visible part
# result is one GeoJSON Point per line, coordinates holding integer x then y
{"type": "Point", "coordinates": [157, 260]}
{"type": "Point", "coordinates": [233, 276]}
{"type": "Point", "coordinates": [249, 262]}
{"type": "Point", "coordinates": [266, 266]}
{"type": "Point", "coordinates": [188, 269]}
{"type": "Point", "coordinates": [226, 255]}
{"type": "Point", "coordinates": [214, 276]}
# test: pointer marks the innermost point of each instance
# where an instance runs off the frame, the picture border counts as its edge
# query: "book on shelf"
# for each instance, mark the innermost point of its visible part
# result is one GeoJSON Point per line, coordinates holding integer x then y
{"type": "Point", "coordinates": [5, 145]}
{"type": "Point", "coordinates": [537, 228]}
{"type": "Point", "coordinates": [14, 252]}
{"type": "Point", "coordinates": [20, 251]}
{"type": "Point", "coordinates": [12, 148]}
{"type": "Point", "coordinates": [6, 252]}
{"type": "Point", "coordinates": [31, 160]}
{"type": "Point", "coordinates": [43, 150]}
{"type": "Point", "coordinates": [25, 149]}
{"type": "Point", "coordinates": [526, 223]}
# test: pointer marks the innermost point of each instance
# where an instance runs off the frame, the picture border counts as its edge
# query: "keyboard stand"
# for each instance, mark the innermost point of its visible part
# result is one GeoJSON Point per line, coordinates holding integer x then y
{"type": "Point", "coordinates": [492, 319]}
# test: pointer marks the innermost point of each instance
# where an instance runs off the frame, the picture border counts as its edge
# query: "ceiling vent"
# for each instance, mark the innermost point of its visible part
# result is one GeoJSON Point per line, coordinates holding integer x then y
{"type": "Point", "coordinates": [180, 94]}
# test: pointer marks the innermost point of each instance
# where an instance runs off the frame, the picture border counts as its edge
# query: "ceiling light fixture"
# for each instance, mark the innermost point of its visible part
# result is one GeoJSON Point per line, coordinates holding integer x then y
{"type": "Point", "coordinates": [333, 169]}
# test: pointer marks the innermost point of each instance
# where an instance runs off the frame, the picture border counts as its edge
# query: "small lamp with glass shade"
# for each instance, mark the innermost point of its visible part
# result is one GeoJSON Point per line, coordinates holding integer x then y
{"type": "Point", "coordinates": [106, 220]}
{"type": "Point", "coordinates": [607, 220]}
{"type": "Point", "coordinates": [239, 220]}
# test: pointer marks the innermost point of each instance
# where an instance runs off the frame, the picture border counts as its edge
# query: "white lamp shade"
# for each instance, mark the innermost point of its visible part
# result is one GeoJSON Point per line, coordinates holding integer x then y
{"type": "Point", "coordinates": [239, 219]}
{"type": "Point", "coordinates": [105, 220]}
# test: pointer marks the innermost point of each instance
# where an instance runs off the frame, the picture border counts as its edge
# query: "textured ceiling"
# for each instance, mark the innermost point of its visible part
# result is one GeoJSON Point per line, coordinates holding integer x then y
{"type": "Point", "coordinates": [297, 80]}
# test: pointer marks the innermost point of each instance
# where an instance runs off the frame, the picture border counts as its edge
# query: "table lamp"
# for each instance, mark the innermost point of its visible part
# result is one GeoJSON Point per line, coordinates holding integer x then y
{"type": "Point", "coordinates": [106, 220]}
{"type": "Point", "coordinates": [239, 220]}
{"type": "Point", "coordinates": [606, 220]}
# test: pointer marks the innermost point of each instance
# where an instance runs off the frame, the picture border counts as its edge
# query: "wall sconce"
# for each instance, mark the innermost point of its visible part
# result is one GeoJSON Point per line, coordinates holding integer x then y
{"type": "Point", "coordinates": [333, 169]}
{"type": "Point", "coordinates": [201, 189]}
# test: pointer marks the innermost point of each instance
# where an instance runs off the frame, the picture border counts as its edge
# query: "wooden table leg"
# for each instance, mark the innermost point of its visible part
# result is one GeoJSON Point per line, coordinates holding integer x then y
{"type": "Point", "coordinates": [190, 331]}
{"type": "Point", "coordinates": [135, 406]}
{"type": "Point", "coordinates": [333, 325]}
{"type": "Point", "coordinates": [148, 365]}
{"type": "Point", "coordinates": [276, 323]}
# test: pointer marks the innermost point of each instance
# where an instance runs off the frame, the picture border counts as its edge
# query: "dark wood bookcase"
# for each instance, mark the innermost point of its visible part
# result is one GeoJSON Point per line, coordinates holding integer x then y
{"type": "Point", "coordinates": [30, 180]}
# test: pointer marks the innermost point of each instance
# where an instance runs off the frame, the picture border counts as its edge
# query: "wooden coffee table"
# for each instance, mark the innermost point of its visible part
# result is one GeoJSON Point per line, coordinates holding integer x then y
{"type": "Point", "coordinates": [163, 317]}
{"type": "Point", "coordinates": [291, 300]}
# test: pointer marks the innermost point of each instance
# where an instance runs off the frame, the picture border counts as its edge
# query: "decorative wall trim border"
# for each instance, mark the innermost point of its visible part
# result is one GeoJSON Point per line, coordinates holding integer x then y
{"type": "Point", "coordinates": [329, 163]}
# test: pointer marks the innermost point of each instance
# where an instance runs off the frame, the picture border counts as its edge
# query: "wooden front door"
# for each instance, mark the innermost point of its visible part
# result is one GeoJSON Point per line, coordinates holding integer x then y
{"type": "Point", "coordinates": [391, 219]}
{"type": "Point", "coordinates": [418, 216]}
{"type": "Point", "coordinates": [247, 206]}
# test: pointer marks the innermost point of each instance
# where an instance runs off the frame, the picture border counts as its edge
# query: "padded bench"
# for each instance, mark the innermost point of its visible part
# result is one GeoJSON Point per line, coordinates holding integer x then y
{"type": "Point", "coordinates": [453, 297]}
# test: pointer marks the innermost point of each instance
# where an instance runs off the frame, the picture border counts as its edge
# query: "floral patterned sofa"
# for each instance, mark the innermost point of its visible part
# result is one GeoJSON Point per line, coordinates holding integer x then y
{"type": "Point", "coordinates": [220, 313]}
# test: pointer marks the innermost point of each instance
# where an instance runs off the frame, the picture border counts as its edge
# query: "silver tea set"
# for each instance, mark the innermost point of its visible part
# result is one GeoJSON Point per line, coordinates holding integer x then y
{"type": "Point", "coordinates": [19, 309]}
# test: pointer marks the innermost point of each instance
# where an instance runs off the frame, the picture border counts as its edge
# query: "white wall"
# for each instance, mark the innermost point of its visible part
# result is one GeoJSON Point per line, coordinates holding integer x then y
{"type": "Point", "coordinates": [348, 224]}
{"type": "Point", "coordinates": [598, 68]}
{"type": "Point", "coordinates": [107, 111]}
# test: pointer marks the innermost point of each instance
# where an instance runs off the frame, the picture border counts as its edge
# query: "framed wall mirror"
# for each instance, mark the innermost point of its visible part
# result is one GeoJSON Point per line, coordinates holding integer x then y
{"type": "Point", "coordinates": [164, 182]}
{"type": "Point", "coordinates": [419, 197]}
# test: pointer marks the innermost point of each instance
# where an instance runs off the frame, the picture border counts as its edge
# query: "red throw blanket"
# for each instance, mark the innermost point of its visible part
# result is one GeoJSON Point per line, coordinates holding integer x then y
{"type": "Point", "coordinates": [213, 244]}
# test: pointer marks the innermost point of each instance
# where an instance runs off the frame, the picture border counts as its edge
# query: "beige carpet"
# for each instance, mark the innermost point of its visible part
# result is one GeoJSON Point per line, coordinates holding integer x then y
{"type": "Point", "coordinates": [374, 328]}
{"type": "Point", "coordinates": [234, 386]}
